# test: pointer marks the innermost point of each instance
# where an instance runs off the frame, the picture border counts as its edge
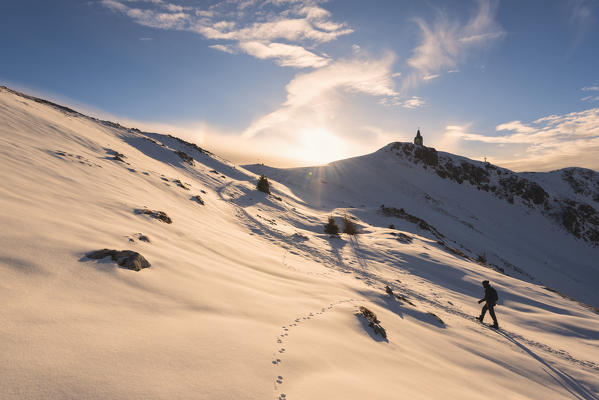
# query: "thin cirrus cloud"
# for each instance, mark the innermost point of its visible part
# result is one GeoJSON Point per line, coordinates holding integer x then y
{"type": "Point", "coordinates": [302, 23]}
{"type": "Point", "coordinates": [551, 142]}
{"type": "Point", "coordinates": [445, 43]}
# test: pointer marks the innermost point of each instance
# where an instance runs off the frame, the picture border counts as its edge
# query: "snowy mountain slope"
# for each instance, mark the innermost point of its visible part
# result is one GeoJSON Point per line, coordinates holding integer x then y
{"type": "Point", "coordinates": [246, 297]}
{"type": "Point", "coordinates": [517, 235]}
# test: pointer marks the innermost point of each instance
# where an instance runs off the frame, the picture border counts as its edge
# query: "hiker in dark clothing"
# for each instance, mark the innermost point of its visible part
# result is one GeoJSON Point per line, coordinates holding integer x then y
{"type": "Point", "coordinates": [490, 299]}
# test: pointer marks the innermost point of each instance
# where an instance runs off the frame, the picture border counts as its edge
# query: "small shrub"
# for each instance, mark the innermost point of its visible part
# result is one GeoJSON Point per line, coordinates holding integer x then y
{"type": "Point", "coordinates": [482, 258]}
{"type": "Point", "coordinates": [349, 226]}
{"type": "Point", "coordinates": [391, 226]}
{"type": "Point", "coordinates": [331, 227]}
{"type": "Point", "coordinates": [263, 184]}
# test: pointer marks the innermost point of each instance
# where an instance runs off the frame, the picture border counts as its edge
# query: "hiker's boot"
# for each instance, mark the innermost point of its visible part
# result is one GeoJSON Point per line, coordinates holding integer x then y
{"type": "Point", "coordinates": [480, 318]}
{"type": "Point", "coordinates": [495, 325]}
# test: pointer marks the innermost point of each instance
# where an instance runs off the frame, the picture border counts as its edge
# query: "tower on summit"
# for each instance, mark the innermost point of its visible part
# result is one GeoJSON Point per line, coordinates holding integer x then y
{"type": "Point", "coordinates": [418, 139]}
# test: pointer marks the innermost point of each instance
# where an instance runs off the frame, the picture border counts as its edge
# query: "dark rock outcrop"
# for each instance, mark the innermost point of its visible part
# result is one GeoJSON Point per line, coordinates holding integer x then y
{"type": "Point", "coordinates": [159, 215]}
{"type": "Point", "coordinates": [401, 213]}
{"type": "Point", "coordinates": [373, 322]}
{"type": "Point", "coordinates": [125, 258]}
{"type": "Point", "coordinates": [426, 155]}
{"type": "Point", "coordinates": [576, 213]}
{"type": "Point", "coordinates": [180, 184]}
{"type": "Point", "coordinates": [583, 181]}
{"type": "Point", "coordinates": [185, 157]}
{"type": "Point", "coordinates": [198, 199]}
{"type": "Point", "coordinates": [580, 219]}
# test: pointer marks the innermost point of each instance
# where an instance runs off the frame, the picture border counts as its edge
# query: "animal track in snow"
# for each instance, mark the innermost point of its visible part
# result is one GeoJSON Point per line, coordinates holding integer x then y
{"type": "Point", "coordinates": [278, 379]}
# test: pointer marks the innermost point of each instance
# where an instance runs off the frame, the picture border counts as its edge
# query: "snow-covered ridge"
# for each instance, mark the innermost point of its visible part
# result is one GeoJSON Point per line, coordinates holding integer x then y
{"type": "Point", "coordinates": [573, 209]}
{"type": "Point", "coordinates": [520, 223]}
{"type": "Point", "coordinates": [244, 296]}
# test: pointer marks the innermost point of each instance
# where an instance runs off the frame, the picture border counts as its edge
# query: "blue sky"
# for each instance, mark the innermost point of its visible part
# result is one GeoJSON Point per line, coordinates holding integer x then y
{"type": "Point", "coordinates": [296, 82]}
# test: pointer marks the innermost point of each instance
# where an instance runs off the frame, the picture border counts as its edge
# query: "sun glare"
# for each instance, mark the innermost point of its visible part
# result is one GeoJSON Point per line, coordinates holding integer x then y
{"type": "Point", "coordinates": [319, 146]}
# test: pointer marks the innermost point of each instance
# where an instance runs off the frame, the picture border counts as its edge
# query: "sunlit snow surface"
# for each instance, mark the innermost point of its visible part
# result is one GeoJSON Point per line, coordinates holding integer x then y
{"type": "Point", "coordinates": [248, 299]}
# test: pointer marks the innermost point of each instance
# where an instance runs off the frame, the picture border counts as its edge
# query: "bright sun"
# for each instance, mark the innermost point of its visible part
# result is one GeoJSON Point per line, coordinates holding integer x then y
{"type": "Point", "coordinates": [319, 146]}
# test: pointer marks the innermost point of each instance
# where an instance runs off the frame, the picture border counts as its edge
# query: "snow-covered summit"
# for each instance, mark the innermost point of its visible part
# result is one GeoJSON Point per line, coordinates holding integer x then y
{"type": "Point", "coordinates": [525, 225]}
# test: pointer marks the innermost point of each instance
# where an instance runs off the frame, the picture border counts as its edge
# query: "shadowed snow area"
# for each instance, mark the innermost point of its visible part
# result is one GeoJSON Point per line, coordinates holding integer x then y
{"type": "Point", "coordinates": [247, 298]}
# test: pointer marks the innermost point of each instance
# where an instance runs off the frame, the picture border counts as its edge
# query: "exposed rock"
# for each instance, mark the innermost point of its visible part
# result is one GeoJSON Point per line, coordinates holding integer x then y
{"type": "Point", "coordinates": [403, 238]}
{"type": "Point", "coordinates": [189, 144]}
{"type": "Point", "coordinates": [159, 215]}
{"type": "Point", "coordinates": [116, 155]}
{"type": "Point", "coordinates": [580, 219]}
{"type": "Point", "coordinates": [426, 155]}
{"type": "Point", "coordinates": [373, 322]}
{"type": "Point", "coordinates": [389, 291]}
{"type": "Point", "coordinates": [404, 298]}
{"type": "Point", "coordinates": [180, 184]}
{"type": "Point", "coordinates": [125, 258]}
{"type": "Point", "coordinates": [583, 181]}
{"type": "Point", "coordinates": [185, 157]}
{"type": "Point", "coordinates": [455, 251]}
{"type": "Point", "coordinates": [198, 199]}
{"type": "Point", "coordinates": [401, 213]}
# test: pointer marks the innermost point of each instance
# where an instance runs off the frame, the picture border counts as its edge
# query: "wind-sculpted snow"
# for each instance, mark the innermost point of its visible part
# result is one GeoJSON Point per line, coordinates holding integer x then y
{"type": "Point", "coordinates": [248, 298]}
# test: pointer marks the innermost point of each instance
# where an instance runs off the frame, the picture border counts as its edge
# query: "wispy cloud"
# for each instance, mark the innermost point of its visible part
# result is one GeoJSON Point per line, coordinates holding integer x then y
{"type": "Point", "coordinates": [311, 96]}
{"type": "Point", "coordinates": [550, 142]}
{"type": "Point", "coordinates": [445, 43]}
{"type": "Point", "coordinates": [254, 27]}
{"type": "Point", "coordinates": [590, 89]}
{"type": "Point", "coordinates": [582, 17]}
{"type": "Point", "coordinates": [414, 102]}
{"type": "Point", "coordinates": [223, 48]}
{"type": "Point", "coordinates": [286, 55]}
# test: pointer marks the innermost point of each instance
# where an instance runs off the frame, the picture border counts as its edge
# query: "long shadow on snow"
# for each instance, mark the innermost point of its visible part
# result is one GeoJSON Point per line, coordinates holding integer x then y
{"type": "Point", "coordinates": [398, 308]}
{"type": "Point", "coordinates": [337, 245]}
{"type": "Point", "coordinates": [252, 197]}
{"type": "Point", "coordinates": [574, 387]}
